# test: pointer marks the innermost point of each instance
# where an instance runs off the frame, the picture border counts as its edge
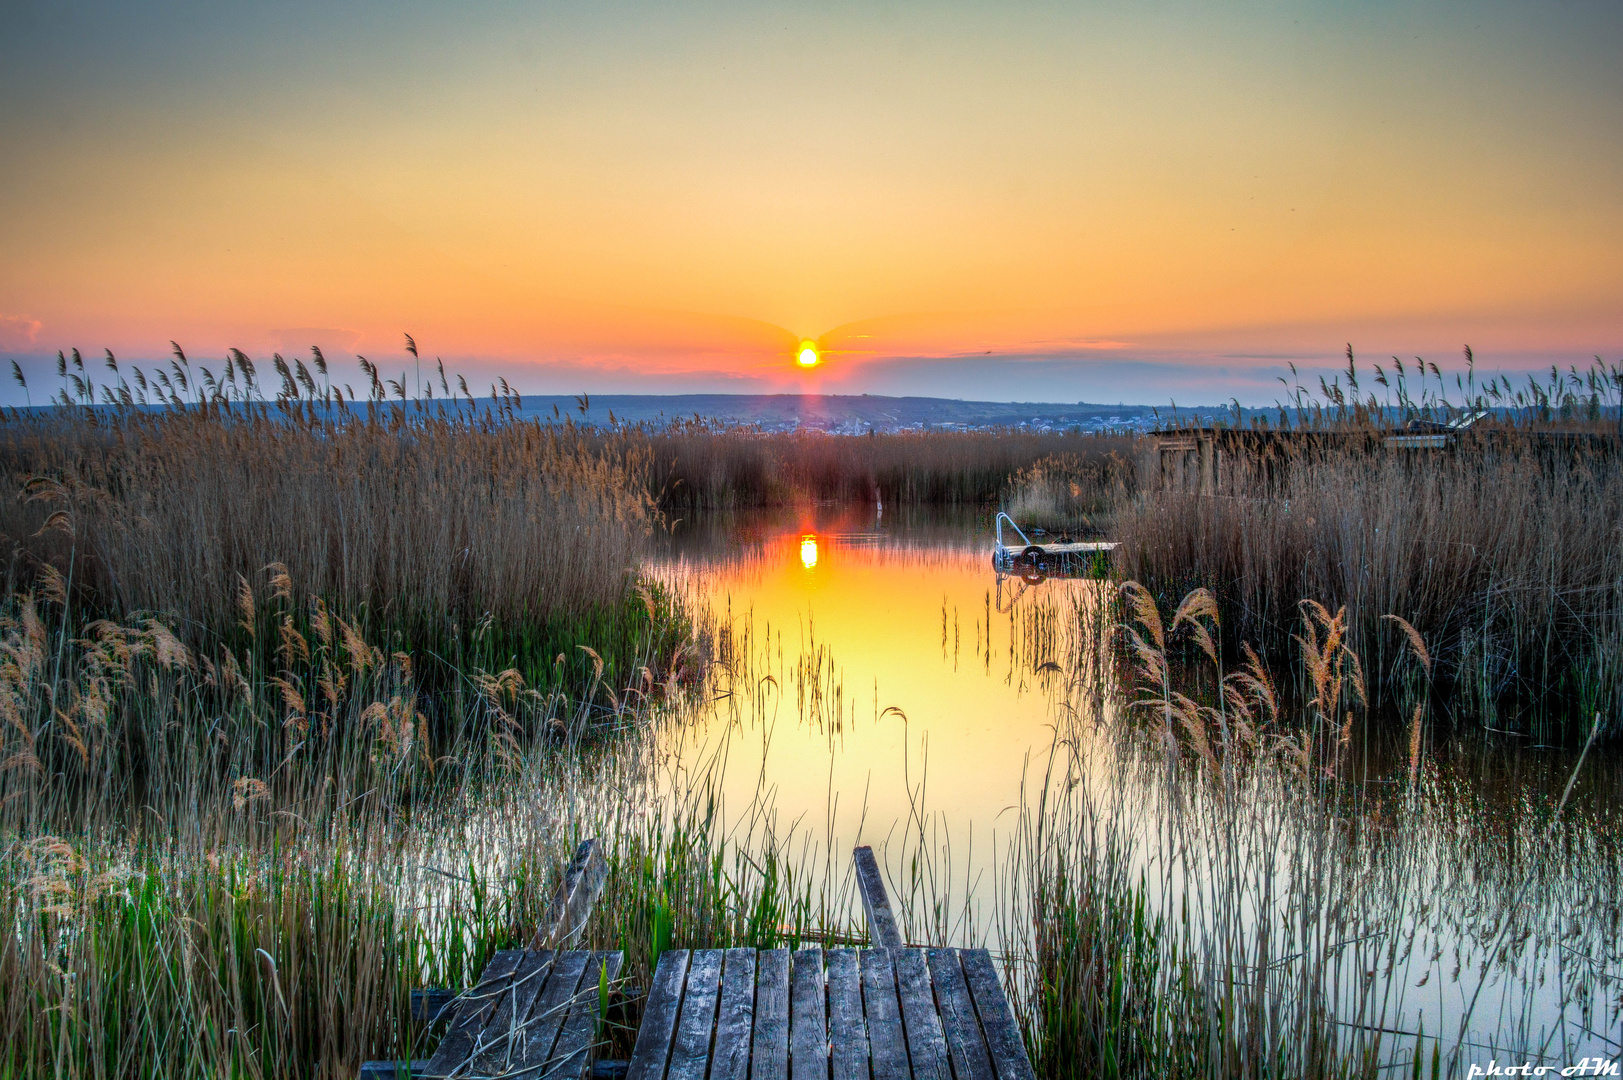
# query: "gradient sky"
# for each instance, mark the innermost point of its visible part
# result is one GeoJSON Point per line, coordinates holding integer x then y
{"type": "Point", "coordinates": [1065, 202]}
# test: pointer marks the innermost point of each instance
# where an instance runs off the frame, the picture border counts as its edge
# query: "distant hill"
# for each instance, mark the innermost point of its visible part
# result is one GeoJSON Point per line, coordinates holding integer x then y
{"type": "Point", "coordinates": [844, 413]}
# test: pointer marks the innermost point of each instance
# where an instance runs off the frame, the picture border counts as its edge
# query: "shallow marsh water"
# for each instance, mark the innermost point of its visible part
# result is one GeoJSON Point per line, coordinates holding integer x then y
{"type": "Point", "coordinates": [880, 684]}
{"type": "Point", "coordinates": [877, 676]}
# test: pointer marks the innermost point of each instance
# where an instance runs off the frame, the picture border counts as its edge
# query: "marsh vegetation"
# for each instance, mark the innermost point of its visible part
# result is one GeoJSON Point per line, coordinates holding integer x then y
{"type": "Point", "coordinates": [303, 702]}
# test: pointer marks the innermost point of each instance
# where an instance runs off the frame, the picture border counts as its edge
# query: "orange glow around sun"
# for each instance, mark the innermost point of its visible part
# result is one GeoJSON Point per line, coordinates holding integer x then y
{"type": "Point", "coordinates": [655, 228]}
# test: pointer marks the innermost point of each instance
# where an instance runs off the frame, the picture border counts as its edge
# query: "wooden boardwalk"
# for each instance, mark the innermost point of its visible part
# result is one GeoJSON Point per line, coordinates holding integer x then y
{"type": "Point", "coordinates": [845, 1014]}
{"type": "Point", "coordinates": [885, 1013]}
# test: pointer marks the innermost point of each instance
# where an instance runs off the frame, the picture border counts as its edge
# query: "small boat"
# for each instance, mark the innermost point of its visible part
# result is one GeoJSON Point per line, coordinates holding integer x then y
{"type": "Point", "coordinates": [1063, 557]}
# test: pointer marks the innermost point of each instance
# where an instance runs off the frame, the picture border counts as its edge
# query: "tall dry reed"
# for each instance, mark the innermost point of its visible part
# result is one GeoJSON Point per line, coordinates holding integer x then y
{"type": "Point", "coordinates": [1506, 553]}
{"type": "Point", "coordinates": [210, 865]}
{"type": "Point", "coordinates": [407, 520]}
{"type": "Point", "coordinates": [1221, 886]}
{"type": "Point", "coordinates": [697, 466]}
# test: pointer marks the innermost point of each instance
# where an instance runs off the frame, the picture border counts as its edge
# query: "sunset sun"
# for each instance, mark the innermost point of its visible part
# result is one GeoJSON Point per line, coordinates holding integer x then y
{"type": "Point", "coordinates": [807, 356]}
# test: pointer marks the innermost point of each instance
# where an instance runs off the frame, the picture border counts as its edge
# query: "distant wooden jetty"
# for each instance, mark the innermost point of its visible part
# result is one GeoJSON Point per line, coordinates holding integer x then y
{"type": "Point", "coordinates": [1049, 558]}
{"type": "Point", "coordinates": [892, 1011]}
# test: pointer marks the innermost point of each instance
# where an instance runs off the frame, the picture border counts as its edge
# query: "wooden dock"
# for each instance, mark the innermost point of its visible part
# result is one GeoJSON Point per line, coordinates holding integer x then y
{"type": "Point", "coordinates": [889, 1013]}
{"type": "Point", "coordinates": [885, 1013]}
{"type": "Point", "coordinates": [839, 1014]}
{"type": "Point", "coordinates": [536, 1012]}
{"type": "Point", "coordinates": [1061, 557]}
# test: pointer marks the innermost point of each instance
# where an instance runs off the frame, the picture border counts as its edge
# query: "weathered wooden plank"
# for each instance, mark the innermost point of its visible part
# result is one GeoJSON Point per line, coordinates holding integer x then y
{"type": "Point", "coordinates": [920, 1021]}
{"type": "Point", "coordinates": [1003, 1042]}
{"type": "Point", "coordinates": [654, 1038]}
{"type": "Point", "coordinates": [847, 1034]}
{"type": "Point", "coordinates": [882, 929]}
{"type": "Point", "coordinates": [659, 1017]}
{"type": "Point", "coordinates": [501, 1039]}
{"type": "Point", "coordinates": [959, 1023]}
{"type": "Point", "coordinates": [546, 1017]}
{"type": "Point", "coordinates": [808, 1018]}
{"type": "Point", "coordinates": [769, 1059]}
{"type": "Point", "coordinates": [472, 1009]}
{"type": "Point", "coordinates": [730, 1060]}
{"type": "Point", "coordinates": [690, 1055]}
{"type": "Point", "coordinates": [883, 1014]}
{"type": "Point", "coordinates": [572, 1053]}
{"type": "Point", "coordinates": [577, 893]}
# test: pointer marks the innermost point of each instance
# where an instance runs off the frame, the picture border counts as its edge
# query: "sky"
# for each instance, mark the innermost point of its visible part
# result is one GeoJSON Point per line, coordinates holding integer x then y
{"type": "Point", "coordinates": [1136, 202]}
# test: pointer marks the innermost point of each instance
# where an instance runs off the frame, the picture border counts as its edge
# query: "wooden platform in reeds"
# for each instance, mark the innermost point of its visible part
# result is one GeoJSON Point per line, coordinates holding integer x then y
{"type": "Point", "coordinates": [843, 1013]}
{"type": "Point", "coordinates": [735, 1014]}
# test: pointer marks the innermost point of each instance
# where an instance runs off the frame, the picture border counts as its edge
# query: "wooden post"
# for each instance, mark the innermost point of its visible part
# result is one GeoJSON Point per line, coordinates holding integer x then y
{"type": "Point", "coordinates": [577, 893]}
{"type": "Point", "coordinates": [881, 920]}
{"type": "Point", "coordinates": [1208, 478]}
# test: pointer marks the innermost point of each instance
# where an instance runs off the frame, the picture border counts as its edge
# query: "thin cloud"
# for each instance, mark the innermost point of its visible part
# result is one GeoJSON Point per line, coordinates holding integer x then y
{"type": "Point", "coordinates": [18, 331]}
{"type": "Point", "coordinates": [299, 339]}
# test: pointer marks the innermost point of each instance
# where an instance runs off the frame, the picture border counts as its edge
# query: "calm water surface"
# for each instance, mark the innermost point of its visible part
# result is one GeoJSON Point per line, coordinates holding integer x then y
{"type": "Point", "coordinates": [889, 682]}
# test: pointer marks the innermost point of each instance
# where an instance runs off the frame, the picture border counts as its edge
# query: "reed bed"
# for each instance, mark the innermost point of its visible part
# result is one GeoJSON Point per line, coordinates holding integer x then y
{"type": "Point", "coordinates": [1504, 553]}
{"type": "Point", "coordinates": [696, 466]}
{"type": "Point", "coordinates": [464, 538]}
{"type": "Point", "coordinates": [419, 519]}
{"type": "Point", "coordinates": [1221, 887]}
{"type": "Point", "coordinates": [208, 868]}
{"type": "Point", "coordinates": [1500, 543]}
